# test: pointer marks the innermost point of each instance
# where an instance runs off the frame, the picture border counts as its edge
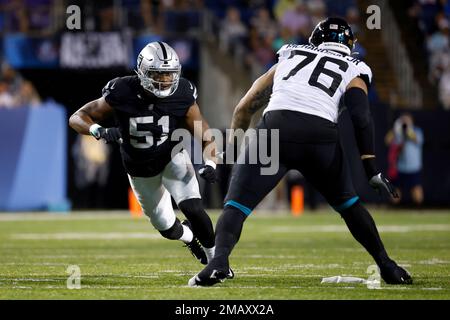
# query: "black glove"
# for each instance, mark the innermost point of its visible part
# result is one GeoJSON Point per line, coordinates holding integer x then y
{"type": "Point", "coordinates": [110, 135]}
{"type": "Point", "coordinates": [208, 173]}
{"type": "Point", "coordinates": [379, 181]}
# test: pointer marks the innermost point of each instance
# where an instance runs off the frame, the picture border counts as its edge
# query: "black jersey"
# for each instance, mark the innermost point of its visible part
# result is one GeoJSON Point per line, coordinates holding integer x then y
{"type": "Point", "coordinates": [146, 122]}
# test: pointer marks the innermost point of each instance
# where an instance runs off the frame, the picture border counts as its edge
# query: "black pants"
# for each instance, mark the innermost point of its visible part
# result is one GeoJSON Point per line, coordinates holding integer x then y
{"type": "Point", "coordinates": [307, 143]}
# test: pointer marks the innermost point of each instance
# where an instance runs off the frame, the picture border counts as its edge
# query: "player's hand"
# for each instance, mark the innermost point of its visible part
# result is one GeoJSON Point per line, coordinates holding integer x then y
{"type": "Point", "coordinates": [208, 173]}
{"type": "Point", "coordinates": [379, 181]}
{"type": "Point", "coordinates": [109, 135]}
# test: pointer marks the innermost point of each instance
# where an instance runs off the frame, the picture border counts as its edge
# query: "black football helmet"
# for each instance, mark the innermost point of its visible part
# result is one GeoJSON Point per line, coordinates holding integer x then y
{"type": "Point", "coordinates": [333, 34]}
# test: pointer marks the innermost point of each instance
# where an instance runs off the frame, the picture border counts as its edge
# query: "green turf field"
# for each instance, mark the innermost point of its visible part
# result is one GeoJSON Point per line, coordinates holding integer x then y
{"type": "Point", "coordinates": [278, 257]}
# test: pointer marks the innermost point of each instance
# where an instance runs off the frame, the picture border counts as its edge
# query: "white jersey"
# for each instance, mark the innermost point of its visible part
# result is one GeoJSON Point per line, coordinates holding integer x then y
{"type": "Point", "coordinates": [313, 81]}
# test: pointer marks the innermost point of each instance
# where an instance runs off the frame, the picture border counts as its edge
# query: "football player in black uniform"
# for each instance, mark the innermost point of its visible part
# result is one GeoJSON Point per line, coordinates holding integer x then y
{"type": "Point", "coordinates": [148, 108]}
{"type": "Point", "coordinates": [308, 84]}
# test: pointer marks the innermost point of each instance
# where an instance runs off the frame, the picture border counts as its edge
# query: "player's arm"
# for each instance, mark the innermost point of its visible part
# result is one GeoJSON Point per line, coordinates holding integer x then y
{"type": "Point", "coordinates": [193, 118]}
{"type": "Point", "coordinates": [255, 98]}
{"type": "Point", "coordinates": [85, 120]}
{"type": "Point", "coordinates": [357, 103]}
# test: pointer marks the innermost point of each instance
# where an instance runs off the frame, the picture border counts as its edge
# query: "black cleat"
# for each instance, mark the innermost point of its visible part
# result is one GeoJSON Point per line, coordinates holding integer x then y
{"type": "Point", "coordinates": [211, 275]}
{"type": "Point", "coordinates": [394, 274]}
{"type": "Point", "coordinates": [207, 281]}
{"type": "Point", "coordinates": [195, 247]}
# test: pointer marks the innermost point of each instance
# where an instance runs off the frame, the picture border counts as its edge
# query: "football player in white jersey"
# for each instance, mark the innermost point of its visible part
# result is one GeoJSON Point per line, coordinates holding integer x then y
{"type": "Point", "coordinates": [305, 88]}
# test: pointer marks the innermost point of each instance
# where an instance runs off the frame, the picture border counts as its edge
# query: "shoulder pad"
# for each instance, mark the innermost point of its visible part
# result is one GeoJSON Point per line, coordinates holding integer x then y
{"type": "Point", "coordinates": [362, 70]}
{"type": "Point", "coordinates": [116, 89]}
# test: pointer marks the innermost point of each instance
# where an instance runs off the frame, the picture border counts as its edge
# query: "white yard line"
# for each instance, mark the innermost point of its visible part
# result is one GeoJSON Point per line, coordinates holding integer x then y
{"type": "Point", "coordinates": [85, 236]}
{"type": "Point", "coordinates": [342, 228]}
{"type": "Point", "coordinates": [88, 215]}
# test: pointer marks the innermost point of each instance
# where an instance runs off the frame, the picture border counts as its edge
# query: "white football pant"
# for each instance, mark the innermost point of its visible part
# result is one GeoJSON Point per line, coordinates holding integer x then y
{"type": "Point", "coordinates": [153, 194]}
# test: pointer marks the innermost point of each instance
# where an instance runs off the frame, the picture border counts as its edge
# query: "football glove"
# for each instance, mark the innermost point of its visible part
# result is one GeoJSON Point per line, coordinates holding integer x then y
{"type": "Point", "coordinates": [208, 172]}
{"type": "Point", "coordinates": [109, 135]}
{"type": "Point", "coordinates": [379, 181]}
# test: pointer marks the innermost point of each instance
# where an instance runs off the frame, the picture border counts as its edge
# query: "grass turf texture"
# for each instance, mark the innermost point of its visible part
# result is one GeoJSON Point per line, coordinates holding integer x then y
{"type": "Point", "coordinates": [278, 257]}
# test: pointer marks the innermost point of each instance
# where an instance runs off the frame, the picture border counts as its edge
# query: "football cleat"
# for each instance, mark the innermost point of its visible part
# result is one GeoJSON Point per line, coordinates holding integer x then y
{"type": "Point", "coordinates": [211, 275]}
{"type": "Point", "coordinates": [214, 278]}
{"type": "Point", "coordinates": [195, 247]}
{"type": "Point", "coordinates": [394, 274]}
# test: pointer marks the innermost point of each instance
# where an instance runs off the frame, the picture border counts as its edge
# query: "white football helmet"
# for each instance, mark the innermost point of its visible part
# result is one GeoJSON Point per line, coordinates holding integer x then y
{"type": "Point", "coordinates": [159, 69]}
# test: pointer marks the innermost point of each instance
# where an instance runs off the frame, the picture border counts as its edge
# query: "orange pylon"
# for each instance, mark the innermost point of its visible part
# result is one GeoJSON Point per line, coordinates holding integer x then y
{"type": "Point", "coordinates": [297, 201]}
{"type": "Point", "coordinates": [133, 204]}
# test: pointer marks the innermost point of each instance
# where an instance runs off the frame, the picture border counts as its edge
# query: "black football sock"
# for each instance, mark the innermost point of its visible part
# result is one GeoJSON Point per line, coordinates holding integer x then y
{"type": "Point", "coordinates": [175, 232]}
{"type": "Point", "coordinates": [228, 231]}
{"type": "Point", "coordinates": [363, 228]}
{"type": "Point", "coordinates": [201, 224]}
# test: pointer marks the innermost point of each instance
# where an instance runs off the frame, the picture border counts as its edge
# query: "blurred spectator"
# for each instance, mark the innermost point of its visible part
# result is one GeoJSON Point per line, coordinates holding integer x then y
{"type": "Point", "coordinates": [263, 23]}
{"type": "Point", "coordinates": [439, 41]}
{"type": "Point", "coordinates": [444, 89]}
{"type": "Point", "coordinates": [233, 31]}
{"type": "Point", "coordinates": [6, 98]}
{"type": "Point", "coordinates": [281, 6]}
{"type": "Point", "coordinates": [14, 15]}
{"type": "Point", "coordinates": [150, 15]}
{"type": "Point", "coordinates": [317, 10]}
{"type": "Point", "coordinates": [40, 15]}
{"type": "Point", "coordinates": [438, 48]}
{"type": "Point", "coordinates": [427, 13]}
{"type": "Point", "coordinates": [352, 16]}
{"type": "Point", "coordinates": [297, 19]}
{"type": "Point", "coordinates": [15, 91]}
{"type": "Point", "coordinates": [262, 52]}
{"type": "Point", "coordinates": [405, 143]}
{"type": "Point", "coordinates": [284, 37]}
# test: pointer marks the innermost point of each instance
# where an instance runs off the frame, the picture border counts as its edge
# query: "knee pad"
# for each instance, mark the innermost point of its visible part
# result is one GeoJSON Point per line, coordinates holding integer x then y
{"type": "Point", "coordinates": [174, 232]}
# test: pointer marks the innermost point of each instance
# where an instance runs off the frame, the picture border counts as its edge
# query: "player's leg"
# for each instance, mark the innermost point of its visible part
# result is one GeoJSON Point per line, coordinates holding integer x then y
{"type": "Point", "coordinates": [417, 194]}
{"type": "Point", "coordinates": [157, 205]}
{"type": "Point", "coordinates": [415, 187]}
{"type": "Point", "coordinates": [246, 190]}
{"type": "Point", "coordinates": [327, 170]}
{"type": "Point", "coordinates": [180, 180]}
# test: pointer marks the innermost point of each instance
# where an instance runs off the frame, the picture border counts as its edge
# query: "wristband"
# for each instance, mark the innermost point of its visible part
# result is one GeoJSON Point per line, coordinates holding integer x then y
{"type": "Point", "coordinates": [210, 163]}
{"type": "Point", "coordinates": [93, 130]}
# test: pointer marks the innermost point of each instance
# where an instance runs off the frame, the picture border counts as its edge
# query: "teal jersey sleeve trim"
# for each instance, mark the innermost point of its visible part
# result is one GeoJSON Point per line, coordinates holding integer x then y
{"type": "Point", "coordinates": [239, 206]}
{"type": "Point", "coordinates": [347, 204]}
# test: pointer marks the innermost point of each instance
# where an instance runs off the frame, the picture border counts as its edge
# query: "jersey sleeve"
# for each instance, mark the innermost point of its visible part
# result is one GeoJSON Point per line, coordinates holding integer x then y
{"type": "Point", "coordinates": [192, 92]}
{"type": "Point", "coordinates": [189, 92]}
{"type": "Point", "coordinates": [114, 91]}
{"type": "Point", "coordinates": [365, 73]}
